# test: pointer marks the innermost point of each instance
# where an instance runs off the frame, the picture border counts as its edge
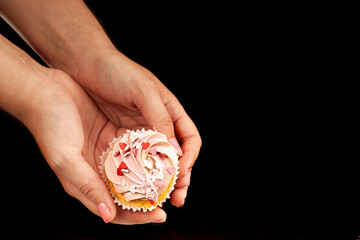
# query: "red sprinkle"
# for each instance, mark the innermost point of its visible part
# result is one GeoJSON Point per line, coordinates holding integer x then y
{"type": "Point", "coordinates": [123, 165]}
{"type": "Point", "coordinates": [122, 145]}
{"type": "Point", "coordinates": [120, 168]}
{"type": "Point", "coordinates": [163, 155]}
{"type": "Point", "coordinates": [117, 153]}
{"type": "Point", "coordinates": [151, 202]}
{"type": "Point", "coordinates": [145, 145]}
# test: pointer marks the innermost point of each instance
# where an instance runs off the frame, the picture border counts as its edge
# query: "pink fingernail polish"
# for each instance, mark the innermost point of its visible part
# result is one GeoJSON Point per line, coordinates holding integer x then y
{"type": "Point", "coordinates": [104, 212]}
{"type": "Point", "coordinates": [159, 221]}
{"type": "Point", "coordinates": [176, 145]}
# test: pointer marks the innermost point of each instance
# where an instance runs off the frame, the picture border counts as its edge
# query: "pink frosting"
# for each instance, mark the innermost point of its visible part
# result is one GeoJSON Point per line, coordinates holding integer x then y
{"type": "Point", "coordinates": [141, 164]}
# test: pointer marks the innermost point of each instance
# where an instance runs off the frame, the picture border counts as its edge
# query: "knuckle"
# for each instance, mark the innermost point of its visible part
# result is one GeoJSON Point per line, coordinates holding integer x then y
{"type": "Point", "coordinates": [200, 141]}
{"type": "Point", "coordinates": [164, 124]}
{"type": "Point", "coordinates": [164, 120]}
{"type": "Point", "coordinates": [183, 182]}
{"type": "Point", "coordinates": [88, 189]}
{"type": "Point", "coordinates": [60, 164]}
{"type": "Point", "coordinates": [69, 191]}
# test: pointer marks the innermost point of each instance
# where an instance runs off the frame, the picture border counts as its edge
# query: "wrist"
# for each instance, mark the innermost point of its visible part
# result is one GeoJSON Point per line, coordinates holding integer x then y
{"type": "Point", "coordinates": [96, 65]}
{"type": "Point", "coordinates": [20, 80]}
{"type": "Point", "coordinates": [30, 101]}
{"type": "Point", "coordinates": [51, 93]}
{"type": "Point", "coordinates": [80, 59]}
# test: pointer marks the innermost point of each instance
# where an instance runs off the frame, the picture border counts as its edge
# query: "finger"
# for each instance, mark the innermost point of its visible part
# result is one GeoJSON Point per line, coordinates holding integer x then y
{"type": "Point", "coordinates": [128, 217]}
{"type": "Point", "coordinates": [185, 130]}
{"type": "Point", "coordinates": [157, 116]}
{"type": "Point", "coordinates": [184, 181]}
{"type": "Point", "coordinates": [82, 182]}
{"type": "Point", "coordinates": [191, 152]}
{"type": "Point", "coordinates": [179, 194]}
{"type": "Point", "coordinates": [189, 136]}
{"type": "Point", "coordinates": [177, 197]}
{"type": "Point", "coordinates": [191, 143]}
{"type": "Point", "coordinates": [186, 162]}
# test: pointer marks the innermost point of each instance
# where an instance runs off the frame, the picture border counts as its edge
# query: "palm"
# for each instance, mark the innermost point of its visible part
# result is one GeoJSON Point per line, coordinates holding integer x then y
{"type": "Point", "coordinates": [99, 130]}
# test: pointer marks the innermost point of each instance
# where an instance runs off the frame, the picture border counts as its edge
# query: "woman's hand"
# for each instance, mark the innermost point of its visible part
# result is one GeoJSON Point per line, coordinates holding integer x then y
{"type": "Point", "coordinates": [72, 133]}
{"type": "Point", "coordinates": [130, 96]}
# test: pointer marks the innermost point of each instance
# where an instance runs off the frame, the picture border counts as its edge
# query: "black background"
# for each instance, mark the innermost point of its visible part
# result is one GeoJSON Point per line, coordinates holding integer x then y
{"type": "Point", "coordinates": [271, 166]}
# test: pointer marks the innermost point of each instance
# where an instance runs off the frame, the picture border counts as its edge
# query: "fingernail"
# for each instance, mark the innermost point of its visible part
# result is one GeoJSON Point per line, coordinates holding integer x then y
{"type": "Point", "coordinates": [188, 171]}
{"type": "Point", "coordinates": [176, 145]}
{"type": "Point", "coordinates": [159, 221]}
{"type": "Point", "coordinates": [104, 212]}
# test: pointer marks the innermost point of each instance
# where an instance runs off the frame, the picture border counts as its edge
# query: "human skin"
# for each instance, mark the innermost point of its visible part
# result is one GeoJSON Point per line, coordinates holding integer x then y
{"type": "Point", "coordinates": [68, 37]}
{"type": "Point", "coordinates": [68, 127]}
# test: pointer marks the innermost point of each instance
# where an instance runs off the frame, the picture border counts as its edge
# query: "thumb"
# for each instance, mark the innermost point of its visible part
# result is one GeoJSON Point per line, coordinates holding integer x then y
{"type": "Point", "coordinates": [158, 117]}
{"type": "Point", "coordinates": [81, 181]}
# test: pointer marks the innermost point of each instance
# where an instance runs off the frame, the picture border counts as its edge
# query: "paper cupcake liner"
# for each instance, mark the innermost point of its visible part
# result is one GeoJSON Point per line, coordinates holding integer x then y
{"type": "Point", "coordinates": [135, 205]}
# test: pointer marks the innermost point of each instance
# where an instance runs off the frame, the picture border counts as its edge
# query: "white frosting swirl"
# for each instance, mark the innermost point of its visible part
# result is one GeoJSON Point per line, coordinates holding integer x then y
{"type": "Point", "coordinates": [141, 164]}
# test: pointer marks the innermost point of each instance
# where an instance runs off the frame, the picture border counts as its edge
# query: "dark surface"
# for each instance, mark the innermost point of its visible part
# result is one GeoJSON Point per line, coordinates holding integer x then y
{"type": "Point", "coordinates": [271, 167]}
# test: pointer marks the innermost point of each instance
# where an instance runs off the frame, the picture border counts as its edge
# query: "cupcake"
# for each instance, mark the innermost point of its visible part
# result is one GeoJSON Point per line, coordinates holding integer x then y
{"type": "Point", "coordinates": [140, 168]}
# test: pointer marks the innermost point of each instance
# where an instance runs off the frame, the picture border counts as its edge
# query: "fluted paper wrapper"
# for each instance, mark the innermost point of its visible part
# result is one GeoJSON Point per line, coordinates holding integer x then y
{"type": "Point", "coordinates": [138, 204]}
